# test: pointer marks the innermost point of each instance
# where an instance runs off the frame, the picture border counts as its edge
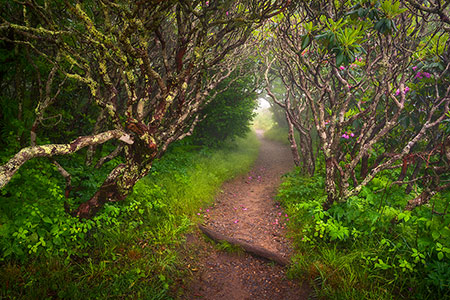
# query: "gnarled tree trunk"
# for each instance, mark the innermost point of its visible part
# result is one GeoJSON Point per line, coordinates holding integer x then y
{"type": "Point", "coordinates": [293, 143]}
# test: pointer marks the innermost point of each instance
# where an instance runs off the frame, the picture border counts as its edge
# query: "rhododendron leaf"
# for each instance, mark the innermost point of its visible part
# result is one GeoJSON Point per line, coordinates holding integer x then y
{"type": "Point", "coordinates": [306, 41]}
{"type": "Point", "coordinates": [339, 59]}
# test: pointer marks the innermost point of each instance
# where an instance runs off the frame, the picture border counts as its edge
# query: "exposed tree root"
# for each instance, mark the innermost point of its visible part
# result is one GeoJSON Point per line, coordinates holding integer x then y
{"type": "Point", "coordinates": [252, 249]}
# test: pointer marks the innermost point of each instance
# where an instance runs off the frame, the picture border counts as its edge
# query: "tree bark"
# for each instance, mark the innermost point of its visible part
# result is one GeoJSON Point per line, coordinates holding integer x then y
{"type": "Point", "coordinates": [294, 147]}
{"type": "Point", "coordinates": [330, 185]}
{"type": "Point", "coordinates": [12, 166]}
{"type": "Point", "coordinates": [121, 180]}
{"type": "Point", "coordinates": [364, 166]}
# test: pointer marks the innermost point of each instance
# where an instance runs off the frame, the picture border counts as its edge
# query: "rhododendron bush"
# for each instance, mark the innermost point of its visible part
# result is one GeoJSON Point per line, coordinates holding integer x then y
{"type": "Point", "coordinates": [371, 77]}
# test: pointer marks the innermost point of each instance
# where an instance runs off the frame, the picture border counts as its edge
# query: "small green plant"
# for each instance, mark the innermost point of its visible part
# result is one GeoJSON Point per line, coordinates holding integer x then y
{"type": "Point", "coordinates": [230, 248]}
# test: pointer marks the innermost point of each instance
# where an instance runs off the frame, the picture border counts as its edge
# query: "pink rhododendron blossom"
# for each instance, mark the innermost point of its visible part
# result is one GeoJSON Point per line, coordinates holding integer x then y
{"type": "Point", "coordinates": [352, 134]}
{"type": "Point", "coordinates": [226, 13]}
{"type": "Point", "coordinates": [414, 68]}
{"type": "Point", "coordinates": [418, 75]}
{"type": "Point", "coordinates": [426, 74]}
{"type": "Point", "coordinates": [345, 136]}
{"type": "Point", "coordinates": [405, 90]}
{"type": "Point", "coordinates": [342, 67]}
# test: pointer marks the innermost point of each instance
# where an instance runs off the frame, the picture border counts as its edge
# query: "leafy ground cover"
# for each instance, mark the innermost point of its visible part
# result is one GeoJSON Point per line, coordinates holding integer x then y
{"type": "Point", "coordinates": [129, 249]}
{"type": "Point", "coordinates": [368, 247]}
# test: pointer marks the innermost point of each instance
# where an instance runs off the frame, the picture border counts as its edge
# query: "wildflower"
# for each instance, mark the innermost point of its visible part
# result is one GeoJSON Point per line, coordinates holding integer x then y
{"type": "Point", "coordinates": [342, 68]}
{"type": "Point", "coordinates": [414, 68]}
{"type": "Point", "coordinates": [426, 74]}
{"type": "Point", "coordinates": [418, 75]}
{"type": "Point", "coordinates": [345, 136]}
{"type": "Point", "coordinates": [352, 134]}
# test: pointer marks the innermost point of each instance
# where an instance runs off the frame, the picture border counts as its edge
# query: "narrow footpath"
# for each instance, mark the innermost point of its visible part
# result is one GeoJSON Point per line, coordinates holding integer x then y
{"type": "Point", "coordinates": [246, 210]}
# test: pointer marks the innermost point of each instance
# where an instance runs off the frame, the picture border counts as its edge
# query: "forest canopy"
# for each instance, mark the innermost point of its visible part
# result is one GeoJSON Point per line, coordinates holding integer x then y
{"type": "Point", "coordinates": [131, 73]}
{"type": "Point", "coordinates": [102, 101]}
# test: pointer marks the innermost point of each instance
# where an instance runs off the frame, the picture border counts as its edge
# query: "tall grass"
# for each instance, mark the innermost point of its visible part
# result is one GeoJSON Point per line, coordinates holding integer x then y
{"type": "Point", "coordinates": [132, 246]}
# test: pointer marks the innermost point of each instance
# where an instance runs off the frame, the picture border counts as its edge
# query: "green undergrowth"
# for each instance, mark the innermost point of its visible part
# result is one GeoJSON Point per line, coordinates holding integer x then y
{"type": "Point", "coordinates": [278, 134]}
{"type": "Point", "coordinates": [230, 248]}
{"type": "Point", "coordinates": [129, 250]}
{"type": "Point", "coordinates": [368, 247]}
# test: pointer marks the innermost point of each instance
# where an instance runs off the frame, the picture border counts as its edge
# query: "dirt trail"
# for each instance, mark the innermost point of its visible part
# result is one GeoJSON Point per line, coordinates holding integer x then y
{"type": "Point", "coordinates": [246, 210]}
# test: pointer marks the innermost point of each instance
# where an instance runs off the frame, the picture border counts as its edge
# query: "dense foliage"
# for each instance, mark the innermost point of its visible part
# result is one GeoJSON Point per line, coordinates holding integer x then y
{"type": "Point", "coordinates": [136, 73]}
{"type": "Point", "coordinates": [369, 247]}
{"type": "Point", "coordinates": [129, 249]}
{"type": "Point", "coordinates": [371, 78]}
{"type": "Point", "coordinates": [229, 114]}
{"type": "Point", "coordinates": [93, 94]}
